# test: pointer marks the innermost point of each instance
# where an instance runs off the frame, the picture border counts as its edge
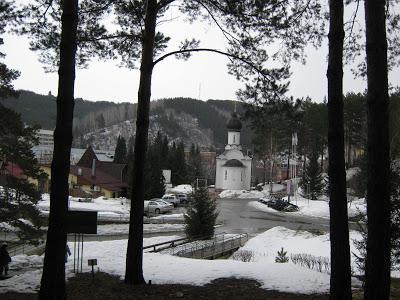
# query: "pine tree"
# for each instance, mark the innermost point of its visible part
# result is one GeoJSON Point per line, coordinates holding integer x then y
{"type": "Point", "coordinates": [6, 75]}
{"type": "Point", "coordinates": [154, 179]}
{"type": "Point", "coordinates": [201, 215]}
{"type": "Point", "coordinates": [311, 181]}
{"type": "Point", "coordinates": [120, 151]}
{"type": "Point", "coordinates": [181, 171]}
{"type": "Point", "coordinates": [194, 164]}
{"type": "Point", "coordinates": [377, 265]}
{"type": "Point", "coordinates": [19, 196]}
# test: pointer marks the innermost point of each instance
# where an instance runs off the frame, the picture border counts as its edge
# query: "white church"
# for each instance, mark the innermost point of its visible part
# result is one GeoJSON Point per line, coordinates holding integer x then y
{"type": "Point", "coordinates": [233, 168]}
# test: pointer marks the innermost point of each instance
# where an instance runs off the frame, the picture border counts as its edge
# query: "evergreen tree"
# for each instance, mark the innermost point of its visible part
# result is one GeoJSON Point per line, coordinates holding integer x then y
{"type": "Point", "coordinates": [377, 266]}
{"type": "Point", "coordinates": [100, 122]}
{"type": "Point", "coordinates": [201, 215]}
{"type": "Point", "coordinates": [312, 181]}
{"type": "Point", "coordinates": [194, 164]}
{"type": "Point", "coordinates": [180, 168]}
{"type": "Point", "coordinates": [120, 151]}
{"type": "Point", "coordinates": [165, 153]}
{"type": "Point", "coordinates": [6, 75]}
{"type": "Point", "coordinates": [340, 287]}
{"type": "Point", "coordinates": [19, 196]}
{"type": "Point", "coordinates": [154, 179]}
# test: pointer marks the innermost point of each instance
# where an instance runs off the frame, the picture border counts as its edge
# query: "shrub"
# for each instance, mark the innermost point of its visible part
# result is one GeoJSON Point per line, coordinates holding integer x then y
{"type": "Point", "coordinates": [317, 263]}
{"type": "Point", "coordinates": [243, 255]}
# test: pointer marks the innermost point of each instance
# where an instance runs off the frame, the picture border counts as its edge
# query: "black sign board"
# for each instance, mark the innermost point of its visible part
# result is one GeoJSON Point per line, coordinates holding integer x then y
{"type": "Point", "coordinates": [79, 221]}
{"type": "Point", "coordinates": [92, 262]}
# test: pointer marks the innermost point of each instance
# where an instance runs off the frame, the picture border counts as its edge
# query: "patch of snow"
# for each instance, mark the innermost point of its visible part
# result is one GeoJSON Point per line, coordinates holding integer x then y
{"type": "Point", "coordinates": [181, 189]}
{"type": "Point", "coordinates": [119, 229]}
{"type": "Point", "coordinates": [170, 217]}
{"type": "Point", "coordinates": [315, 208]}
{"type": "Point", "coordinates": [351, 172]}
{"type": "Point", "coordinates": [242, 194]}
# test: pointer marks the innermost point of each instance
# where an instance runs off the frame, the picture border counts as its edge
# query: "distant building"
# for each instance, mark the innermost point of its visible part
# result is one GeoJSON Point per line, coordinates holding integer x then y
{"type": "Point", "coordinates": [93, 177]}
{"type": "Point", "coordinates": [45, 137]}
{"type": "Point", "coordinates": [233, 168]}
{"type": "Point", "coordinates": [44, 154]}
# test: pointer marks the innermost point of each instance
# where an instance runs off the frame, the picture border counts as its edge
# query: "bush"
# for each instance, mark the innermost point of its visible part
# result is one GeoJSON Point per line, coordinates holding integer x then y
{"type": "Point", "coordinates": [317, 263]}
{"type": "Point", "coordinates": [243, 255]}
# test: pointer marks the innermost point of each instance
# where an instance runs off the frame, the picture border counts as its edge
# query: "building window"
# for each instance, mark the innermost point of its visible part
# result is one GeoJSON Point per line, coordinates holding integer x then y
{"type": "Point", "coordinates": [241, 176]}
{"type": "Point", "coordinates": [234, 136]}
{"type": "Point", "coordinates": [226, 174]}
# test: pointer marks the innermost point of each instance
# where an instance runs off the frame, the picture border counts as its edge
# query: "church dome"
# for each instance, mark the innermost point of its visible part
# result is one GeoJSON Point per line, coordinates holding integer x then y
{"type": "Point", "coordinates": [234, 123]}
{"type": "Point", "coordinates": [234, 163]}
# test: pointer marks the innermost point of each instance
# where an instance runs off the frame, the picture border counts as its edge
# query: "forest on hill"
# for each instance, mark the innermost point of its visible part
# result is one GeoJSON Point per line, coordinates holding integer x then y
{"type": "Point", "coordinates": [190, 120]}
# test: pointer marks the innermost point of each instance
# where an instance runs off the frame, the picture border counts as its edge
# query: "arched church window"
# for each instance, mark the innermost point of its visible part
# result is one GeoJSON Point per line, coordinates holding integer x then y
{"type": "Point", "coordinates": [234, 136]}
{"type": "Point", "coordinates": [226, 174]}
{"type": "Point", "coordinates": [241, 176]}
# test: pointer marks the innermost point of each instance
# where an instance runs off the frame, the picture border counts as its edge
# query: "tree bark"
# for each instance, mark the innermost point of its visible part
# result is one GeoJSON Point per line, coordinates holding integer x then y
{"type": "Point", "coordinates": [134, 255]}
{"type": "Point", "coordinates": [377, 268]}
{"type": "Point", "coordinates": [339, 228]}
{"type": "Point", "coordinates": [52, 284]}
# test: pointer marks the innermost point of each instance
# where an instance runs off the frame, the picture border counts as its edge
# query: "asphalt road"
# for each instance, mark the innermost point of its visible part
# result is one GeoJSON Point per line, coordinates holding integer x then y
{"type": "Point", "coordinates": [238, 216]}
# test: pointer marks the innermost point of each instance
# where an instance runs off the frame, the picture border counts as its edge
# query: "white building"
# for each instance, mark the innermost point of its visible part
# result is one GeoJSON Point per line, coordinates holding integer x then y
{"type": "Point", "coordinates": [233, 168]}
{"type": "Point", "coordinates": [45, 137]}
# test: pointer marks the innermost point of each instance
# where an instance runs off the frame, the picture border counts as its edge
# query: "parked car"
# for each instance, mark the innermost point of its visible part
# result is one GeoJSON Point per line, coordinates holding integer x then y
{"type": "Point", "coordinates": [163, 202]}
{"type": "Point", "coordinates": [183, 198]}
{"type": "Point", "coordinates": [155, 207]}
{"type": "Point", "coordinates": [171, 198]}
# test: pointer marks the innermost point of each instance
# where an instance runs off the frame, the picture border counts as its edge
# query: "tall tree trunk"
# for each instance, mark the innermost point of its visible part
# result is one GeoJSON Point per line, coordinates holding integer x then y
{"type": "Point", "coordinates": [134, 254]}
{"type": "Point", "coordinates": [339, 228]}
{"type": "Point", "coordinates": [377, 268]}
{"type": "Point", "coordinates": [52, 284]}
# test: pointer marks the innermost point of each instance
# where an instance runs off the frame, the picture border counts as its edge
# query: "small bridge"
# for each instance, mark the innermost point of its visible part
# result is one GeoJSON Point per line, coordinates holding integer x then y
{"type": "Point", "coordinates": [220, 245]}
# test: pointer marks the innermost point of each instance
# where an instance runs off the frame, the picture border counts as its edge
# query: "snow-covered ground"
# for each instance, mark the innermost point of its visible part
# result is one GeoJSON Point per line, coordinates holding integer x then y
{"type": "Point", "coordinates": [315, 208]}
{"type": "Point", "coordinates": [253, 194]}
{"type": "Point", "coordinates": [119, 229]}
{"type": "Point", "coordinates": [161, 268]}
{"type": "Point", "coordinates": [110, 205]}
{"type": "Point", "coordinates": [181, 189]}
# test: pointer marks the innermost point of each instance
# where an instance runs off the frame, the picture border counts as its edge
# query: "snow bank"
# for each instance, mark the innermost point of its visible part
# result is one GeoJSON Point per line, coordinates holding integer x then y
{"type": "Point", "coordinates": [119, 229]}
{"type": "Point", "coordinates": [181, 189]}
{"type": "Point", "coordinates": [315, 208]}
{"type": "Point", "coordinates": [242, 194]}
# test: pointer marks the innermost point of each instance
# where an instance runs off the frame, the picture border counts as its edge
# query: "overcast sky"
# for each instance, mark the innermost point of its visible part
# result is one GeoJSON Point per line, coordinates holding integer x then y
{"type": "Point", "coordinates": [203, 76]}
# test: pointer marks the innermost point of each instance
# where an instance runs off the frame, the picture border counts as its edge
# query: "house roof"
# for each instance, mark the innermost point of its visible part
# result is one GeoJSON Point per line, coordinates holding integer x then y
{"type": "Point", "coordinates": [87, 158]}
{"type": "Point", "coordinates": [113, 169]}
{"type": "Point", "coordinates": [233, 163]}
{"type": "Point", "coordinates": [13, 170]}
{"type": "Point", "coordinates": [100, 179]}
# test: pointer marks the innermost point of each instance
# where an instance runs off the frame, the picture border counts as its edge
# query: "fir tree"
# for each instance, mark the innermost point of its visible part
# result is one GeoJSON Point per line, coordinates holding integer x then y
{"type": "Point", "coordinates": [311, 181]}
{"type": "Point", "coordinates": [19, 196]}
{"type": "Point", "coordinates": [195, 168]}
{"type": "Point", "coordinates": [154, 179]}
{"type": "Point", "coordinates": [120, 151]}
{"type": "Point", "coordinates": [201, 215]}
{"type": "Point", "coordinates": [281, 256]}
{"type": "Point", "coordinates": [181, 171]}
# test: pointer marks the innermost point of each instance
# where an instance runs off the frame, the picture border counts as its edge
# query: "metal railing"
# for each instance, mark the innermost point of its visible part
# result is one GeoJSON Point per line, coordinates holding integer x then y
{"type": "Point", "coordinates": [218, 246]}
